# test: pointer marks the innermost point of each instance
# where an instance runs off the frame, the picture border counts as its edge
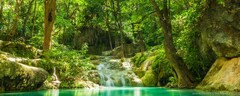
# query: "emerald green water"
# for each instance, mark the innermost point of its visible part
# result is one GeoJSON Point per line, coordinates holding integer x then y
{"type": "Point", "coordinates": [120, 91]}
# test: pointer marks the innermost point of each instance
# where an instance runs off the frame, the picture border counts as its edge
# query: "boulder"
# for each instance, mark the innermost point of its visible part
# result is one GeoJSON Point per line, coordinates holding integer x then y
{"type": "Point", "coordinates": [220, 30]}
{"type": "Point", "coordinates": [16, 76]}
{"type": "Point", "coordinates": [139, 72]}
{"type": "Point", "coordinates": [19, 49]}
{"type": "Point", "coordinates": [223, 75]}
{"type": "Point", "coordinates": [149, 79]}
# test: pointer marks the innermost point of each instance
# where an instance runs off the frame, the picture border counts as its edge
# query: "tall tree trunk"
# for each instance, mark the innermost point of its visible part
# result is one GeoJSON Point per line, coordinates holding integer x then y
{"type": "Point", "coordinates": [183, 74]}
{"type": "Point", "coordinates": [119, 19]}
{"type": "Point", "coordinates": [1, 11]}
{"type": "Point", "coordinates": [49, 18]}
{"type": "Point", "coordinates": [26, 15]}
{"type": "Point", "coordinates": [108, 25]}
{"type": "Point", "coordinates": [1, 16]}
{"type": "Point", "coordinates": [109, 31]}
{"type": "Point", "coordinates": [141, 43]}
{"type": "Point", "coordinates": [34, 17]}
{"type": "Point", "coordinates": [13, 29]}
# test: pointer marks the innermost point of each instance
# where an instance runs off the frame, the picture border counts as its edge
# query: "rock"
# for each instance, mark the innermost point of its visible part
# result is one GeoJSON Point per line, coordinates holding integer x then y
{"type": "Point", "coordinates": [223, 75]}
{"type": "Point", "coordinates": [93, 76]}
{"type": "Point", "coordinates": [19, 77]}
{"type": "Point", "coordinates": [139, 72]}
{"type": "Point", "coordinates": [149, 79]}
{"type": "Point", "coordinates": [88, 84]}
{"type": "Point", "coordinates": [220, 31]}
{"type": "Point", "coordinates": [19, 49]}
{"type": "Point", "coordinates": [147, 64]}
{"type": "Point", "coordinates": [129, 51]}
{"type": "Point", "coordinates": [135, 81]}
{"type": "Point", "coordinates": [96, 38]}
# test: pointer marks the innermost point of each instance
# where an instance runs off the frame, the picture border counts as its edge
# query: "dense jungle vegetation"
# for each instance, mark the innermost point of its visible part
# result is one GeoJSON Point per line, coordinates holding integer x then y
{"type": "Point", "coordinates": [163, 38]}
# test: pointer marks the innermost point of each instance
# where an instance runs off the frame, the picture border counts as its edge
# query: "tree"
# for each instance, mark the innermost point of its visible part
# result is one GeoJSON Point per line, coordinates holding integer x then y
{"type": "Point", "coordinates": [49, 17]}
{"type": "Point", "coordinates": [1, 11]}
{"type": "Point", "coordinates": [183, 74]}
{"type": "Point", "coordinates": [26, 16]}
{"type": "Point", "coordinates": [13, 29]}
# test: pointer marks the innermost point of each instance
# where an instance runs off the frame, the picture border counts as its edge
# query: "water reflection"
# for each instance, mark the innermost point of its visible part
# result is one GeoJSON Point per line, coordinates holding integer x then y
{"type": "Point", "coordinates": [137, 92]}
{"type": "Point", "coordinates": [55, 92]}
{"type": "Point", "coordinates": [120, 91]}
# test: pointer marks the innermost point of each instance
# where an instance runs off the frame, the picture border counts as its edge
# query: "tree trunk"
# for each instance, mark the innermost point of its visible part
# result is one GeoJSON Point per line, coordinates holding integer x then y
{"type": "Point", "coordinates": [183, 74]}
{"type": "Point", "coordinates": [1, 16]}
{"type": "Point", "coordinates": [25, 18]}
{"type": "Point", "coordinates": [119, 19]}
{"type": "Point", "coordinates": [108, 26]}
{"type": "Point", "coordinates": [49, 17]}
{"type": "Point", "coordinates": [1, 11]}
{"type": "Point", "coordinates": [141, 43]}
{"type": "Point", "coordinates": [34, 17]}
{"type": "Point", "coordinates": [13, 29]}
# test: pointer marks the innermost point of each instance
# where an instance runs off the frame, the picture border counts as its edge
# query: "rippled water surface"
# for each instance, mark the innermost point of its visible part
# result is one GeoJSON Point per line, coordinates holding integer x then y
{"type": "Point", "coordinates": [120, 91]}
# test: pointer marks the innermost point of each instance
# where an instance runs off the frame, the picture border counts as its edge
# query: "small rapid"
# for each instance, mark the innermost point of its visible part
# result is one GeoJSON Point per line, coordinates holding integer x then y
{"type": "Point", "coordinates": [116, 73]}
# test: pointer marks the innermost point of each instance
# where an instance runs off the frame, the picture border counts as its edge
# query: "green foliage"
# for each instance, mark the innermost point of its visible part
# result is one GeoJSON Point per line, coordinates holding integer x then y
{"type": "Point", "coordinates": [19, 49]}
{"type": "Point", "coordinates": [69, 63]}
{"type": "Point", "coordinates": [84, 49]}
{"type": "Point", "coordinates": [188, 38]}
{"type": "Point", "coordinates": [137, 16]}
{"type": "Point", "coordinates": [160, 62]}
{"type": "Point", "coordinates": [138, 59]}
{"type": "Point", "coordinates": [222, 2]}
{"type": "Point", "coordinates": [172, 82]}
{"type": "Point", "coordinates": [69, 59]}
{"type": "Point", "coordinates": [36, 40]}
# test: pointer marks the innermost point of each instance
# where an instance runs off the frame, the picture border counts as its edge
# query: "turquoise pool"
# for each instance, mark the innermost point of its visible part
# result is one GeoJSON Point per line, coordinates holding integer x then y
{"type": "Point", "coordinates": [120, 91]}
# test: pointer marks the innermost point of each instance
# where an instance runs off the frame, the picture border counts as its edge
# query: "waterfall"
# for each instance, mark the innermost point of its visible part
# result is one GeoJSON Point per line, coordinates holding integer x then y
{"type": "Point", "coordinates": [123, 81]}
{"type": "Point", "coordinates": [109, 82]}
{"type": "Point", "coordinates": [113, 72]}
{"type": "Point", "coordinates": [55, 81]}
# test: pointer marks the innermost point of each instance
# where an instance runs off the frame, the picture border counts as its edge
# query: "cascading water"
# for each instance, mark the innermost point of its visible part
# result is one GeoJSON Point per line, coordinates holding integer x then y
{"type": "Point", "coordinates": [55, 81]}
{"type": "Point", "coordinates": [113, 72]}
{"type": "Point", "coordinates": [109, 81]}
{"type": "Point", "coordinates": [123, 81]}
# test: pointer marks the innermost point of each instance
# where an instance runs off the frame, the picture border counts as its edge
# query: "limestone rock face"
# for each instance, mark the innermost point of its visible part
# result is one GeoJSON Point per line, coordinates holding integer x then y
{"type": "Point", "coordinates": [223, 75]}
{"type": "Point", "coordinates": [19, 77]}
{"type": "Point", "coordinates": [220, 30]}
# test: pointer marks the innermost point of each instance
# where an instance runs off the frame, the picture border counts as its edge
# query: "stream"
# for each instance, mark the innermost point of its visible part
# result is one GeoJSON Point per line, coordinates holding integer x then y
{"type": "Point", "coordinates": [118, 79]}
{"type": "Point", "coordinates": [117, 73]}
{"type": "Point", "coordinates": [121, 91]}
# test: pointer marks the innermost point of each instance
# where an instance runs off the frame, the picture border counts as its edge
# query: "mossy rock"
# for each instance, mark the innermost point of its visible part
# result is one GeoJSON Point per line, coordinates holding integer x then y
{"type": "Point", "coordinates": [139, 72]}
{"type": "Point", "coordinates": [149, 79]}
{"type": "Point", "coordinates": [19, 49]}
{"type": "Point", "coordinates": [223, 75]}
{"type": "Point", "coordinates": [219, 29]}
{"type": "Point", "coordinates": [19, 77]}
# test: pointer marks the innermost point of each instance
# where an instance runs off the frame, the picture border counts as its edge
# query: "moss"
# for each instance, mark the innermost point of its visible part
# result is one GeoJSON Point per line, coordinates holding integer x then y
{"type": "Point", "coordinates": [138, 59]}
{"type": "Point", "coordinates": [16, 76]}
{"type": "Point", "coordinates": [2, 89]}
{"type": "Point", "coordinates": [139, 72]}
{"type": "Point", "coordinates": [149, 79]}
{"type": "Point", "coordinates": [19, 49]}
